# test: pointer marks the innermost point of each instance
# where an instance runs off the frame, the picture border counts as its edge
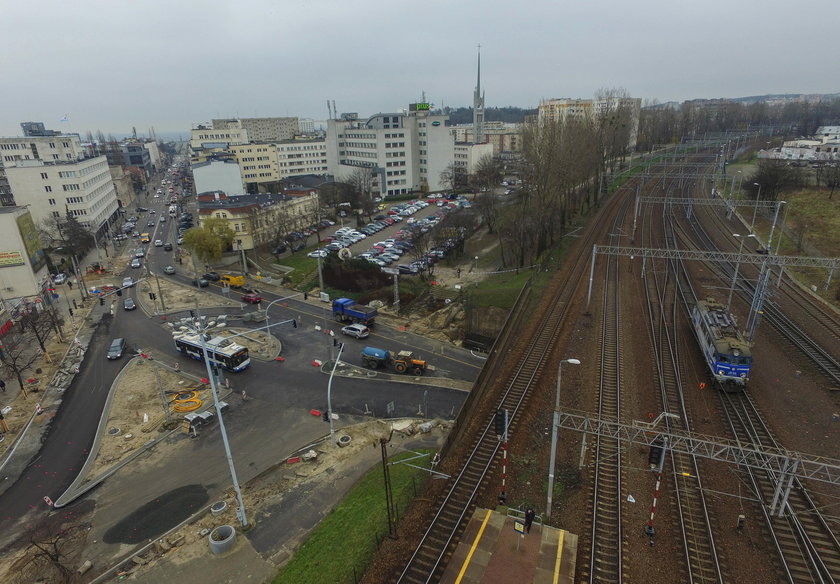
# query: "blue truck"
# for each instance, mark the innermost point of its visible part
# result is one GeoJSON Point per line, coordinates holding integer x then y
{"type": "Point", "coordinates": [345, 310]}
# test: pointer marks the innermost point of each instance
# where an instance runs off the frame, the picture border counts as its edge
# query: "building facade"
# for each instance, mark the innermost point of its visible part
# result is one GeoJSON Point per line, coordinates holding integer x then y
{"type": "Point", "coordinates": [258, 219]}
{"type": "Point", "coordinates": [203, 137]}
{"type": "Point", "coordinates": [505, 138]}
{"type": "Point", "coordinates": [593, 109]}
{"type": "Point", "coordinates": [406, 151]}
{"type": "Point", "coordinates": [56, 175]}
{"type": "Point", "coordinates": [262, 129]}
{"type": "Point", "coordinates": [218, 174]}
{"type": "Point", "coordinates": [23, 265]}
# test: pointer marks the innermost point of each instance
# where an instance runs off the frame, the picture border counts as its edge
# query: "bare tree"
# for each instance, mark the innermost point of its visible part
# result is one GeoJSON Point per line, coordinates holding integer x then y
{"type": "Point", "coordinates": [41, 323]}
{"type": "Point", "coordinates": [51, 555]}
{"type": "Point", "coordinates": [16, 354]}
{"type": "Point", "coordinates": [831, 178]}
{"type": "Point", "coordinates": [453, 176]}
{"type": "Point", "coordinates": [488, 173]}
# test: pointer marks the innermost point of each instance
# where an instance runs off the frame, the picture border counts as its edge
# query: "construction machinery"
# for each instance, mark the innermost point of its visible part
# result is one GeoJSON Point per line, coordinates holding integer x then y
{"type": "Point", "coordinates": [401, 361]}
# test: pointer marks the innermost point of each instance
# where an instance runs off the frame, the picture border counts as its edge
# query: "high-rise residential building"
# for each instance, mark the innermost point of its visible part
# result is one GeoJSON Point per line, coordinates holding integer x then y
{"type": "Point", "coordinates": [405, 151]}
{"type": "Point", "coordinates": [262, 129]}
{"type": "Point", "coordinates": [564, 108]}
{"type": "Point", "coordinates": [56, 175]}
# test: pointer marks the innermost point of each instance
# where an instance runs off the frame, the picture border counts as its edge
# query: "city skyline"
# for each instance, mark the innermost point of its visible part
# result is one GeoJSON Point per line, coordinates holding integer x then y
{"type": "Point", "coordinates": [172, 65]}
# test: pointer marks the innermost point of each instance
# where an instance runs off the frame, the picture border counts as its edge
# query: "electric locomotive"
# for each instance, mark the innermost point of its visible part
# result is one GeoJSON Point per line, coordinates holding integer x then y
{"type": "Point", "coordinates": [726, 352]}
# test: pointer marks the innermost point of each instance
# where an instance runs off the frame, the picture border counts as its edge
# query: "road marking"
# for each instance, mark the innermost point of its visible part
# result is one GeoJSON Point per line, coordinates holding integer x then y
{"type": "Point", "coordinates": [559, 556]}
{"type": "Point", "coordinates": [474, 545]}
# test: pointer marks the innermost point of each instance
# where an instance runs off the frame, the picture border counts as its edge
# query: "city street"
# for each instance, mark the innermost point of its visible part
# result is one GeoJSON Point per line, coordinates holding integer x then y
{"type": "Point", "coordinates": [274, 422]}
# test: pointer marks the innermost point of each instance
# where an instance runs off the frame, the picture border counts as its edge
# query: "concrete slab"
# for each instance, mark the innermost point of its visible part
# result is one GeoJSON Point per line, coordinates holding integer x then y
{"type": "Point", "coordinates": [492, 551]}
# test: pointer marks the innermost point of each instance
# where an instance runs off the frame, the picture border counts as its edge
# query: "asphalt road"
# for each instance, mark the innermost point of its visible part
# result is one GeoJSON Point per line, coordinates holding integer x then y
{"type": "Point", "coordinates": [274, 422]}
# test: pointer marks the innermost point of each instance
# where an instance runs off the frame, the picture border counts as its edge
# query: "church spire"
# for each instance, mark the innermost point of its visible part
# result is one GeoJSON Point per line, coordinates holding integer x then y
{"type": "Point", "coordinates": [478, 106]}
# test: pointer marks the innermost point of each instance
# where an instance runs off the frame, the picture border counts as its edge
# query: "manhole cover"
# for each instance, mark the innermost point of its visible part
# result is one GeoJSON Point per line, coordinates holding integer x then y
{"type": "Point", "coordinates": [114, 431]}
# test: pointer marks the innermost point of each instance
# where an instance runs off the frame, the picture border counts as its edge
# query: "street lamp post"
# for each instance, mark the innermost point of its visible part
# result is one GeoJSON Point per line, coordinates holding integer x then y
{"type": "Point", "coordinates": [743, 238]}
{"type": "Point", "coordinates": [329, 393]}
{"type": "Point", "coordinates": [755, 209]}
{"type": "Point", "coordinates": [554, 424]}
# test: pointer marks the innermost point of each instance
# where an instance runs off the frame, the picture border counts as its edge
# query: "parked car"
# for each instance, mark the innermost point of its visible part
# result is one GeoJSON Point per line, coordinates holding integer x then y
{"type": "Point", "coordinates": [128, 304]}
{"type": "Point", "coordinates": [252, 298]}
{"type": "Point", "coordinates": [117, 348]}
{"type": "Point", "coordinates": [356, 330]}
{"type": "Point", "coordinates": [169, 270]}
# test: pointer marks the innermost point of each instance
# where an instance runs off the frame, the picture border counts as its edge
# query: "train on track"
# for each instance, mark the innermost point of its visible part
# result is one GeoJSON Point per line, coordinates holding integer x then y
{"type": "Point", "coordinates": [727, 354]}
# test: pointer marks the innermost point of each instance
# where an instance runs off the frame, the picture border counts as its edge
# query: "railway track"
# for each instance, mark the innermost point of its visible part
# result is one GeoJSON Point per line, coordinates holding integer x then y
{"type": "Point", "coordinates": [702, 559]}
{"type": "Point", "coordinates": [792, 332]}
{"type": "Point", "coordinates": [606, 538]}
{"type": "Point", "coordinates": [431, 555]}
{"type": "Point", "coordinates": [807, 548]}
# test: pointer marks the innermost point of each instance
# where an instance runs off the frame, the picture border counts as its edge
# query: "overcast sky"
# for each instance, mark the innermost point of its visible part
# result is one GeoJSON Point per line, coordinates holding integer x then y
{"type": "Point", "coordinates": [170, 64]}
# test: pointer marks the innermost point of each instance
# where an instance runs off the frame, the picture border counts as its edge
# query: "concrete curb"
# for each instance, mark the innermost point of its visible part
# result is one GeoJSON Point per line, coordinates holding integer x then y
{"type": "Point", "coordinates": [84, 336]}
{"type": "Point", "coordinates": [79, 486]}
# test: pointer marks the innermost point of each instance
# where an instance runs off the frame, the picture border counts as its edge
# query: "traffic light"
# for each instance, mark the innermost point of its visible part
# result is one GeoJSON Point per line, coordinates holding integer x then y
{"type": "Point", "coordinates": [119, 291]}
{"type": "Point", "coordinates": [326, 416]}
{"type": "Point", "coordinates": [152, 295]}
{"type": "Point", "coordinates": [101, 301]}
{"type": "Point", "coordinates": [192, 313]}
{"type": "Point", "coordinates": [500, 422]}
{"type": "Point", "coordinates": [71, 311]}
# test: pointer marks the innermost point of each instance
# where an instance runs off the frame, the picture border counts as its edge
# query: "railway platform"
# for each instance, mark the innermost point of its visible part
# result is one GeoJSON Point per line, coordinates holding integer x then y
{"type": "Point", "coordinates": [493, 551]}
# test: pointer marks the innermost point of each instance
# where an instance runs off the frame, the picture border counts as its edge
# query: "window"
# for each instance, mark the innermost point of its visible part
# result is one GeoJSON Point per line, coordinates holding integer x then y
{"type": "Point", "coordinates": [44, 175]}
{"type": "Point", "coordinates": [48, 188]}
{"type": "Point", "coordinates": [52, 201]}
{"type": "Point", "coordinates": [56, 214]}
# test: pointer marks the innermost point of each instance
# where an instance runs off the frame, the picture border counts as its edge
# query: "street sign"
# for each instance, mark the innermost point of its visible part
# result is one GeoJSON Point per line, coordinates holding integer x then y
{"type": "Point", "coordinates": [392, 271]}
{"type": "Point", "coordinates": [48, 501]}
{"type": "Point", "coordinates": [519, 527]}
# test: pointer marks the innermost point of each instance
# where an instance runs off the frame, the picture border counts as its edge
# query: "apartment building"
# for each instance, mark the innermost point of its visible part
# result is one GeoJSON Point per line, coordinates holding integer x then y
{"type": "Point", "coordinates": [262, 129]}
{"type": "Point", "coordinates": [204, 137]}
{"type": "Point", "coordinates": [262, 218]}
{"type": "Point", "coordinates": [55, 175]}
{"type": "Point", "coordinates": [505, 138]}
{"type": "Point", "coordinates": [565, 108]}
{"type": "Point", "coordinates": [406, 151]}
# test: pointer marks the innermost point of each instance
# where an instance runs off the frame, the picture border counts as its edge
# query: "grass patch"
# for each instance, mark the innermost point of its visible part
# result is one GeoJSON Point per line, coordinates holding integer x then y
{"type": "Point", "coordinates": [501, 290]}
{"type": "Point", "coordinates": [301, 265]}
{"type": "Point", "coordinates": [349, 536]}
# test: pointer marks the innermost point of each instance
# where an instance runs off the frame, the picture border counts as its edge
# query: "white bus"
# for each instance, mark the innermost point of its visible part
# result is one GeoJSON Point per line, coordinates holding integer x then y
{"type": "Point", "coordinates": [222, 350]}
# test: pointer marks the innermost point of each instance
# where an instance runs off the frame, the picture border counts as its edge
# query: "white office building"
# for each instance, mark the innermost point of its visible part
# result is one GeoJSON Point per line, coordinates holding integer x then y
{"type": "Point", "coordinates": [56, 175]}
{"type": "Point", "coordinates": [405, 151]}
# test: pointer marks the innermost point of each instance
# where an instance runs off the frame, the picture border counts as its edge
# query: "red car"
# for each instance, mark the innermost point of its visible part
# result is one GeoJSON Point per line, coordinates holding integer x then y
{"type": "Point", "coordinates": [252, 298]}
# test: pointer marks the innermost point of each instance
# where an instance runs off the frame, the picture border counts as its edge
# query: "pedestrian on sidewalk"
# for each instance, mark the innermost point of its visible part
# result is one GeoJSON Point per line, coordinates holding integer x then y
{"type": "Point", "coordinates": [458, 272]}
